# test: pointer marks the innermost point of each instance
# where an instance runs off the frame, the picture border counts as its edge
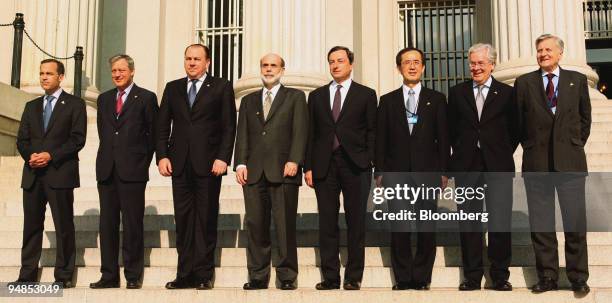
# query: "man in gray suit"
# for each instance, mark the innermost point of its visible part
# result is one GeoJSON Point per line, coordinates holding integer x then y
{"type": "Point", "coordinates": [270, 147]}
{"type": "Point", "coordinates": [554, 115]}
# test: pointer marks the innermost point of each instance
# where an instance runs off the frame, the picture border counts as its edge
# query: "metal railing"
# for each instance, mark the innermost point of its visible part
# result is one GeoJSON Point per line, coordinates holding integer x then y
{"type": "Point", "coordinates": [19, 26]}
{"type": "Point", "coordinates": [221, 30]}
{"type": "Point", "coordinates": [597, 19]}
{"type": "Point", "coordinates": [443, 30]}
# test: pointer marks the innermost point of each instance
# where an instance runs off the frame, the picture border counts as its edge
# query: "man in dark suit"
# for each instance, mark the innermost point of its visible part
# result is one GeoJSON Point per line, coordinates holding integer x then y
{"type": "Point", "coordinates": [555, 122]}
{"type": "Point", "coordinates": [51, 133]}
{"type": "Point", "coordinates": [270, 148]}
{"type": "Point", "coordinates": [339, 158]}
{"type": "Point", "coordinates": [126, 120]}
{"type": "Point", "coordinates": [482, 127]}
{"type": "Point", "coordinates": [412, 136]}
{"type": "Point", "coordinates": [196, 130]}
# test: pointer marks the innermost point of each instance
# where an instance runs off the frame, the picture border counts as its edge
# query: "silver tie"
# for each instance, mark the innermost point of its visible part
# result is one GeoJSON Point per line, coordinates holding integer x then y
{"type": "Point", "coordinates": [267, 104]}
{"type": "Point", "coordinates": [480, 101]}
{"type": "Point", "coordinates": [411, 106]}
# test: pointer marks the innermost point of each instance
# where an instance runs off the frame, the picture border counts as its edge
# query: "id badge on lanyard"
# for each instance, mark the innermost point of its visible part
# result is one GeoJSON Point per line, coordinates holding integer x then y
{"type": "Point", "coordinates": [412, 118]}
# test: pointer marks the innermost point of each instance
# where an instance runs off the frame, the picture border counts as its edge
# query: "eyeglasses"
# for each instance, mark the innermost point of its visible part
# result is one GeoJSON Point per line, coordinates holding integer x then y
{"type": "Point", "coordinates": [479, 64]}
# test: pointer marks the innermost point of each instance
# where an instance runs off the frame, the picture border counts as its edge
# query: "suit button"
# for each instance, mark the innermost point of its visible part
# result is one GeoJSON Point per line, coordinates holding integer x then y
{"type": "Point", "coordinates": [116, 133]}
{"type": "Point", "coordinates": [263, 133]}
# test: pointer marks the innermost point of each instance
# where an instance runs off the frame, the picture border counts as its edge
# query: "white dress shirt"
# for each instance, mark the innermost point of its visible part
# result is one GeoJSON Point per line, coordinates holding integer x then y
{"type": "Point", "coordinates": [346, 84]}
{"type": "Point", "coordinates": [198, 84]}
{"type": "Point", "coordinates": [56, 96]}
{"type": "Point", "coordinates": [485, 89]}
{"type": "Point", "coordinates": [417, 93]}
{"type": "Point", "coordinates": [126, 93]}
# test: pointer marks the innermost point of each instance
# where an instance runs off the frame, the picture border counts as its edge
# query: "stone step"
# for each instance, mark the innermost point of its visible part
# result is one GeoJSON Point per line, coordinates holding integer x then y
{"type": "Point", "coordinates": [443, 277]}
{"type": "Point", "coordinates": [156, 207]}
{"type": "Point", "coordinates": [601, 115]}
{"type": "Point", "coordinates": [307, 294]}
{"type": "Point", "coordinates": [449, 256]}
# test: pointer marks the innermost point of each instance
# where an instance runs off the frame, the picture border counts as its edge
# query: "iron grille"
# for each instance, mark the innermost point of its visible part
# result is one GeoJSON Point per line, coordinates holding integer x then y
{"type": "Point", "coordinates": [597, 19]}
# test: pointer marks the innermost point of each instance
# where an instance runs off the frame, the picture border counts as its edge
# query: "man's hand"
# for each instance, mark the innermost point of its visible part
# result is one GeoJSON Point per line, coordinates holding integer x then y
{"type": "Point", "coordinates": [241, 175]}
{"type": "Point", "coordinates": [165, 167]}
{"type": "Point", "coordinates": [290, 169]}
{"type": "Point", "coordinates": [219, 167]}
{"type": "Point", "coordinates": [39, 160]}
{"type": "Point", "coordinates": [444, 182]}
{"type": "Point", "coordinates": [308, 178]}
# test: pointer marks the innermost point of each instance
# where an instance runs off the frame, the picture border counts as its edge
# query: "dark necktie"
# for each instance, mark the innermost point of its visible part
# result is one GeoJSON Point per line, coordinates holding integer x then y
{"type": "Point", "coordinates": [119, 104]}
{"type": "Point", "coordinates": [336, 113]}
{"type": "Point", "coordinates": [48, 111]}
{"type": "Point", "coordinates": [550, 92]}
{"type": "Point", "coordinates": [192, 92]}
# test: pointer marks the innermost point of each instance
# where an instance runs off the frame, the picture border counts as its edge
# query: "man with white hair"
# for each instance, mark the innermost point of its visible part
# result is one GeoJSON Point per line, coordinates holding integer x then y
{"type": "Point", "coordinates": [481, 127]}
{"type": "Point", "coordinates": [270, 150]}
{"type": "Point", "coordinates": [554, 112]}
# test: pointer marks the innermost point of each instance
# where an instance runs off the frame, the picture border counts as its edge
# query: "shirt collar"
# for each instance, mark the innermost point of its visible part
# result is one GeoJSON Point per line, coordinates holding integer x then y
{"type": "Point", "coordinates": [127, 90]}
{"type": "Point", "coordinates": [555, 72]}
{"type": "Point", "coordinates": [274, 90]}
{"type": "Point", "coordinates": [55, 95]}
{"type": "Point", "coordinates": [416, 89]}
{"type": "Point", "coordinates": [487, 83]}
{"type": "Point", "coordinates": [345, 84]}
{"type": "Point", "coordinates": [201, 79]}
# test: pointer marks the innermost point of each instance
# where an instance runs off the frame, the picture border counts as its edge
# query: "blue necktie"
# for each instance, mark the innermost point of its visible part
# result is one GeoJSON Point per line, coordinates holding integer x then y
{"type": "Point", "coordinates": [48, 111]}
{"type": "Point", "coordinates": [192, 92]}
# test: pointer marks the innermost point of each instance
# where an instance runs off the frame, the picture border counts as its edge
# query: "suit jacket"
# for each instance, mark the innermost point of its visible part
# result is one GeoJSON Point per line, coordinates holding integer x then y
{"type": "Point", "coordinates": [427, 149]}
{"type": "Point", "coordinates": [553, 141]}
{"type": "Point", "coordinates": [204, 132]}
{"type": "Point", "coordinates": [496, 129]}
{"type": "Point", "coordinates": [127, 142]}
{"type": "Point", "coordinates": [64, 138]}
{"type": "Point", "coordinates": [355, 128]}
{"type": "Point", "coordinates": [265, 146]}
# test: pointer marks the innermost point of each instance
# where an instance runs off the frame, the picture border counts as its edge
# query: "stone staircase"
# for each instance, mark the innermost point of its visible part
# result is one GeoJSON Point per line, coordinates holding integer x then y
{"type": "Point", "coordinates": [231, 271]}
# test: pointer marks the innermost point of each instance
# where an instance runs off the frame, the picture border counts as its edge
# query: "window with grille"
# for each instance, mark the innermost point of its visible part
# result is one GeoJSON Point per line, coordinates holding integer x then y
{"type": "Point", "coordinates": [443, 30]}
{"type": "Point", "coordinates": [220, 27]}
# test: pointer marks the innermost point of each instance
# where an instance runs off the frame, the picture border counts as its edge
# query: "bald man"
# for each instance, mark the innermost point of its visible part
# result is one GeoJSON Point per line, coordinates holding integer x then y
{"type": "Point", "coordinates": [270, 148]}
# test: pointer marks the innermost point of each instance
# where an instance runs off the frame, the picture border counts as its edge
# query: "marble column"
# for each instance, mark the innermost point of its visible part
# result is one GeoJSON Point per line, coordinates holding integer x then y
{"type": "Point", "coordinates": [517, 24]}
{"type": "Point", "coordinates": [295, 29]}
{"type": "Point", "coordinates": [58, 26]}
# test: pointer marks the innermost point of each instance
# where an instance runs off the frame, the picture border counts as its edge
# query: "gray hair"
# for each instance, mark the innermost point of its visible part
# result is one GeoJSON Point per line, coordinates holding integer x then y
{"type": "Point", "coordinates": [491, 51]}
{"type": "Point", "coordinates": [558, 40]}
{"type": "Point", "coordinates": [125, 57]}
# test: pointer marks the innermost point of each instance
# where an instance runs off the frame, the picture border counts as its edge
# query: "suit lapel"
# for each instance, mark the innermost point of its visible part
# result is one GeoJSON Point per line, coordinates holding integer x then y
{"type": "Point", "coordinates": [110, 107]}
{"type": "Point", "coordinates": [468, 93]}
{"type": "Point", "coordinates": [326, 103]}
{"type": "Point", "coordinates": [57, 109]}
{"type": "Point", "coordinates": [350, 94]}
{"type": "Point", "coordinates": [276, 103]}
{"type": "Point", "coordinates": [259, 106]}
{"type": "Point", "coordinates": [131, 99]}
{"type": "Point", "coordinates": [203, 90]}
{"type": "Point", "coordinates": [563, 84]}
{"type": "Point", "coordinates": [423, 104]}
{"type": "Point", "coordinates": [539, 86]}
{"type": "Point", "coordinates": [491, 95]}
{"type": "Point", "coordinates": [400, 106]}
{"type": "Point", "coordinates": [183, 100]}
{"type": "Point", "coordinates": [38, 112]}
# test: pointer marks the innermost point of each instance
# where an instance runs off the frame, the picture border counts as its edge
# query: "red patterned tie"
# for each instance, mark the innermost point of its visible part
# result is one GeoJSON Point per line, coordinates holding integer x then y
{"type": "Point", "coordinates": [119, 104]}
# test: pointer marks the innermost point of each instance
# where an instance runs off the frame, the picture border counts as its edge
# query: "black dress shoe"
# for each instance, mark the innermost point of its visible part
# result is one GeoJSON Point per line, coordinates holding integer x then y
{"type": "Point", "coordinates": [133, 284]}
{"type": "Point", "coordinates": [545, 284]}
{"type": "Point", "coordinates": [580, 287]}
{"type": "Point", "coordinates": [351, 285]}
{"type": "Point", "coordinates": [420, 285]}
{"type": "Point", "coordinates": [288, 285]}
{"type": "Point", "coordinates": [180, 284]}
{"type": "Point", "coordinates": [469, 285]}
{"type": "Point", "coordinates": [255, 284]}
{"type": "Point", "coordinates": [204, 285]}
{"type": "Point", "coordinates": [64, 283]}
{"type": "Point", "coordinates": [402, 286]}
{"type": "Point", "coordinates": [327, 285]}
{"type": "Point", "coordinates": [104, 284]}
{"type": "Point", "coordinates": [500, 285]}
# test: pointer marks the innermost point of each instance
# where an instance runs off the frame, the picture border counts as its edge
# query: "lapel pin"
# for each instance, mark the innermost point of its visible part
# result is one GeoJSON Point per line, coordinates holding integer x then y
{"type": "Point", "coordinates": [428, 103]}
{"type": "Point", "coordinates": [207, 85]}
{"type": "Point", "coordinates": [63, 102]}
{"type": "Point", "coordinates": [257, 113]}
{"type": "Point", "coordinates": [135, 96]}
{"type": "Point", "coordinates": [571, 84]}
{"type": "Point", "coordinates": [495, 92]}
